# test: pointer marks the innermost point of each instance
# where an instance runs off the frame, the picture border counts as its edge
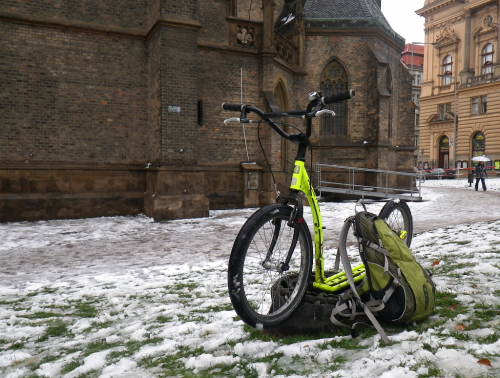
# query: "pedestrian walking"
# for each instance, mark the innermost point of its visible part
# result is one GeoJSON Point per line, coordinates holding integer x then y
{"type": "Point", "coordinates": [480, 175]}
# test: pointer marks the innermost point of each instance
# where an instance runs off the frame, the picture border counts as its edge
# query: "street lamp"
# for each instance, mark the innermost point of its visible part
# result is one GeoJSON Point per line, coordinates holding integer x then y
{"type": "Point", "coordinates": [454, 120]}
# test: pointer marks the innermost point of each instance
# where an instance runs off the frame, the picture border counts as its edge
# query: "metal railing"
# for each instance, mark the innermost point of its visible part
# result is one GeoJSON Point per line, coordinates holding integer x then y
{"type": "Point", "coordinates": [367, 182]}
{"type": "Point", "coordinates": [485, 77]}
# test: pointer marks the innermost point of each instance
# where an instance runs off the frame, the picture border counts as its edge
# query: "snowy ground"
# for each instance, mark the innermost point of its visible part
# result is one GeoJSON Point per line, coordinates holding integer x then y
{"type": "Point", "coordinates": [127, 297]}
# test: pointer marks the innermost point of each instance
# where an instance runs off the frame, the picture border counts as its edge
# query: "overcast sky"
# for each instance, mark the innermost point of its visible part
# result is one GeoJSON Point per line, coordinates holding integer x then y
{"type": "Point", "coordinates": [403, 19]}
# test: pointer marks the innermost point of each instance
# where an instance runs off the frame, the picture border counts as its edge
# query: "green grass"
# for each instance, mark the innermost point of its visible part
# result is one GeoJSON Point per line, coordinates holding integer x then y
{"type": "Point", "coordinates": [63, 324]}
{"type": "Point", "coordinates": [70, 366]}
{"type": "Point", "coordinates": [190, 286]}
{"type": "Point", "coordinates": [490, 339]}
{"type": "Point", "coordinates": [40, 315]}
{"type": "Point", "coordinates": [453, 267]}
{"type": "Point", "coordinates": [163, 319]}
{"type": "Point", "coordinates": [126, 349]}
{"type": "Point", "coordinates": [17, 346]}
{"type": "Point", "coordinates": [171, 362]}
{"type": "Point", "coordinates": [97, 346]}
{"type": "Point", "coordinates": [447, 306]}
{"type": "Point", "coordinates": [433, 370]}
{"type": "Point", "coordinates": [85, 310]}
{"type": "Point", "coordinates": [461, 242]}
{"type": "Point", "coordinates": [55, 329]}
{"type": "Point", "coordinates": [12, 302]}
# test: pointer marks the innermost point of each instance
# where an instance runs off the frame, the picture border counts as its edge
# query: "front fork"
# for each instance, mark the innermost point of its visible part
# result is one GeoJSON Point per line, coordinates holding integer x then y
{"type": "Point", "coordinates": [301, 183]}
{"type": "Point", "coordinates": [296, 218]}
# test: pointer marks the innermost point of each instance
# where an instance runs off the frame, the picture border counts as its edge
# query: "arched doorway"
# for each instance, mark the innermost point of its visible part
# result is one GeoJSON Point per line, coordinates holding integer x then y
{"type": "Point", "coordinates": [444, 152]}
{"type": "Point", "coordinates": [478, 145]}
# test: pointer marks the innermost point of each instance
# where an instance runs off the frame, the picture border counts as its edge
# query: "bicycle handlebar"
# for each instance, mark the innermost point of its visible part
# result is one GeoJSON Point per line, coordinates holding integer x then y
{"type": "Point", "coordinates": [337, 97]}
{"type": "Point", "coordinates": [326, 100]}
{"type": "Point", "coordinates": [315, 107]}
{"type": "Point", "coordinates": [232, 107]}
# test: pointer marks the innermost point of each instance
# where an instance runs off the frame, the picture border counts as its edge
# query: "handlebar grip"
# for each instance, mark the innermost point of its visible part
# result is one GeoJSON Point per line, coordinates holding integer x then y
{"type": "Point", "coordinates": [232, 107]}
{"type": "Point", "coordinates": [342, 96]}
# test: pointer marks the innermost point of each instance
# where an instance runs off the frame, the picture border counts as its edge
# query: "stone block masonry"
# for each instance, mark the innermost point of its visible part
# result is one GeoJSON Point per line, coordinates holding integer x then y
{"type": "Point", "coordinates": [112, 107]}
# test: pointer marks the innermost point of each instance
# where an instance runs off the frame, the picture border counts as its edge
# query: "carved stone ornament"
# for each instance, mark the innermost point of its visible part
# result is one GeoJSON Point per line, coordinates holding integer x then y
{"type": "Point", "coordinates": [245, 35]}
{"type": "Point", "coordinates": [488, 21]}
{"type": "Point", "coordinates": [448, 35]}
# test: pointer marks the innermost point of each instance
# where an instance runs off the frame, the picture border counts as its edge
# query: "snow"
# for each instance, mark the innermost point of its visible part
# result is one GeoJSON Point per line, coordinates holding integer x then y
{"type": "Point", "coordinates": [110, 283]}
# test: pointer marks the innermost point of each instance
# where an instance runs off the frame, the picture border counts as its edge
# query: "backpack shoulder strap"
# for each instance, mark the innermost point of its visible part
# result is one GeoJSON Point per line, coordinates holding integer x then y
{"type": "Point", "coordinates": [368, 236]}
{"type": "Point", "coordinates": [348, 271]}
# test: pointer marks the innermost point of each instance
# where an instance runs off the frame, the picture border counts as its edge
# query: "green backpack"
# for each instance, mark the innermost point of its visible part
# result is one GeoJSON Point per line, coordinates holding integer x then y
{"type": "Point", "coordinates": [395, 288]}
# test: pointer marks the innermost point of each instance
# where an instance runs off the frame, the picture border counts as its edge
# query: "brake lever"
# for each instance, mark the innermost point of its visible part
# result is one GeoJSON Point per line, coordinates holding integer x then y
{"type": "Point", "coordinates": [237, 120]}
{"type": "Point", "coordinates": [231, 119]}
{"type": "Point", "coordinates": [325, 111]}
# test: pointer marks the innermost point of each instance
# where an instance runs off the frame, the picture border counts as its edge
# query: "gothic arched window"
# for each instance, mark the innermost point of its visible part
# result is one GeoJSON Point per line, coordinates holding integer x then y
{"type": "Point", "coordinates": [334, 80]}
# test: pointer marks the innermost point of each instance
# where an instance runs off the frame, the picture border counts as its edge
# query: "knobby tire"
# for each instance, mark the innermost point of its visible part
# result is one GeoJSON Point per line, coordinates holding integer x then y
{"type": "Point", "coordinates": [262, 296]}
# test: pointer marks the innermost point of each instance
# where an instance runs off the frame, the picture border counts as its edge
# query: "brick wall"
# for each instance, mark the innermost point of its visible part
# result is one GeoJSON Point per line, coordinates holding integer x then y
{"type": "Point", "coordinates": [65, 100]}
{"type": "Point", "coordinates": [212, 15]}
{"type": "Point", "coordinates": [179, 75]}
{"type": "Point", "coordinates": [101, 100]}
{"type": "Point", "coordinates": [186, 8]}
{"type": "Point", "coordinates": [127, 14]}
{"type": "Point", "coordinates": [221, 143]}
{"type": "Point", "coordinates": [74, 128]}
{"type": "Point", "coordinates": [370, 115]}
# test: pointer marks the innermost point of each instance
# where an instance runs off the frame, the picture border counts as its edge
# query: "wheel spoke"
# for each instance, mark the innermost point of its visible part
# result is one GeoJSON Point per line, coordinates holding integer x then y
{"type": "Point", "coordinates": [266, 291]}
{"type": "Point", "coordinates": [398, 216]}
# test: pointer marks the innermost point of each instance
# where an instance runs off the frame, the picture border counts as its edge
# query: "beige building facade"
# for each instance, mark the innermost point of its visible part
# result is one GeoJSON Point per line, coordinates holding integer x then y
{"type": "Point", "coordinates": [460, 98]}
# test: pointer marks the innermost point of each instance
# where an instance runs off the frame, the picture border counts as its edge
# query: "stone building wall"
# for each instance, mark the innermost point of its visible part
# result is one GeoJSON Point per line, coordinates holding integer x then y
{"type": "Point", "coordinates": [124, 14]}
{"type": "Point", "coordinates": [66, 100]}
{"type": "Point", "coordinates": [373, 116]}
{"type": "Point", "coordinates": [460, 31]}
{"type": "Point", "coordinates": [113, 107]}
{"type": "Point", "coordinates": [74, 125]}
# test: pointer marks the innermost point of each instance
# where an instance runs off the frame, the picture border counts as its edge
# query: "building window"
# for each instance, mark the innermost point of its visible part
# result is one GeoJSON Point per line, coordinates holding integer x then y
{"type": "Point", "coordinates": [199, 109]}
{"type": "Point", "coordinates": [487, 55]}
{"type": "Point", "coordinates": [334, 80]}
{"type": "Point", "coordinates": [444, 152]}
{"type": "Point", "coordinates": [479, 105]}
{"type": "Point", "coordinates": [447, 70]}
{"type": "Point", "coordinates": [478, 145]}
{"type": "Point", "coordinates": [417, 78]}
{"type": "Point", "coordinates": [416, 98]}
{"type": "Point", "coordinates": [475, 105]}
{"type": "Point", "coordinates": [443, 109]}
{"type": "Point", "coordinates": [484, 104]}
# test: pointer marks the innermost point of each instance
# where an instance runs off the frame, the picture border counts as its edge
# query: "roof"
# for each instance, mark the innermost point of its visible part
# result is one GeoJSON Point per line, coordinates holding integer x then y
{"type": "Point", "coordinates": [413, 48]}
{"type": "Point", "coordinates": [336, 9]}
{"type": "Point", "coordinates": [336, 14]}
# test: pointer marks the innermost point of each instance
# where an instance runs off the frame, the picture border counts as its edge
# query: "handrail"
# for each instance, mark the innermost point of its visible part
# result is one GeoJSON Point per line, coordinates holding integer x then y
{"type": "Point", "coordinates": [382, 186]}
